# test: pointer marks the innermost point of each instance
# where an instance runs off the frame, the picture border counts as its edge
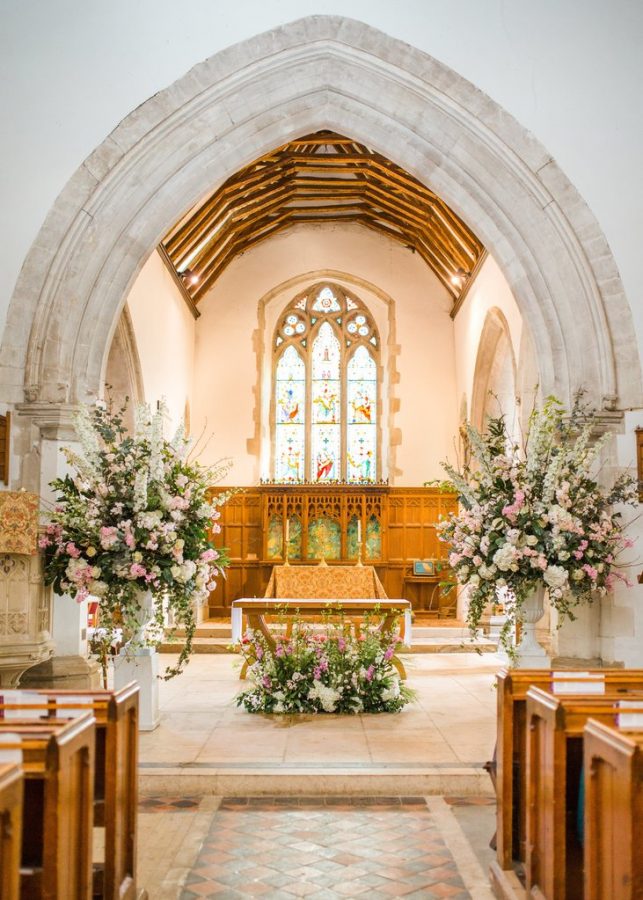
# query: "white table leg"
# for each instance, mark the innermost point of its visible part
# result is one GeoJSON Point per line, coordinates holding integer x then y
{"type": "Point", "coordinates": [237, 618]}
{"type": "Point", "coordinates": [407, 628]}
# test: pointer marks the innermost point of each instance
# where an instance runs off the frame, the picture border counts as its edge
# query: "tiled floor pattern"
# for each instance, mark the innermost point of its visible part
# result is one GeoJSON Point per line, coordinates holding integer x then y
{"type": "Point", "coordinates": [322, 849]}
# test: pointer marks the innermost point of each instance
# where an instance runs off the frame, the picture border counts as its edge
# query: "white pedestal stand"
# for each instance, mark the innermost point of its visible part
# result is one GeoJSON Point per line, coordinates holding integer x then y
{"type": "Point", "coordinates": [529, 652]}
{"type": "Point", "coordinates": [141, 666]}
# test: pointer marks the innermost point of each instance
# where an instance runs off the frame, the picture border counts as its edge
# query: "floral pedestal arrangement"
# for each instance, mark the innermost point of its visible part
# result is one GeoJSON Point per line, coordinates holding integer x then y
{"type": "Point", "coordinates": [132, 529]}
{"type": "Point", "coordinates": [323, 670]}
{"type": "Point", "coordinates": [533, 514]}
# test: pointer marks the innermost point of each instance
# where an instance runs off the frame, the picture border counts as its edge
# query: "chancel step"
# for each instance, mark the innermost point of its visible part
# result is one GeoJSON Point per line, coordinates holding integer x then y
{"type": "Point", "coordinates": [216, 638]}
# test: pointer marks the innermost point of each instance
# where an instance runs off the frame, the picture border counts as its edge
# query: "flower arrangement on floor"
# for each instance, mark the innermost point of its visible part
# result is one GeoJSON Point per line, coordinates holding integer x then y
{"type": "Point", "coordinates": [536, 515]}
{"type": "Point", "coordinates": [132, 519]}
{"type": "Point", "coordinates": [325, 669]}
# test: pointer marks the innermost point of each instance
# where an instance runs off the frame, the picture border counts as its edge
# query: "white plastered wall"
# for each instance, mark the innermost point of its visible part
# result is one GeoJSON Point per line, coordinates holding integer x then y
{"type": "Point", "coordinates": [164, 329]}
{"type": "Point", "coordinates": [410, 307]}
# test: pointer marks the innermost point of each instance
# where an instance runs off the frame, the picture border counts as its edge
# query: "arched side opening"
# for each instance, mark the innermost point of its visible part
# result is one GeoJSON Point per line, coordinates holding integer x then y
{"type": "Point", "coordinates": [494, 380]}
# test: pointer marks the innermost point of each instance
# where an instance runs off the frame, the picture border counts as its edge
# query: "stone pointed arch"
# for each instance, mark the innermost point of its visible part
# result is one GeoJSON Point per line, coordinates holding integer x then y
{"type": "Point", "coordinates": [246, 100]}
{"type": "Point", "coordinates": [495, 371]}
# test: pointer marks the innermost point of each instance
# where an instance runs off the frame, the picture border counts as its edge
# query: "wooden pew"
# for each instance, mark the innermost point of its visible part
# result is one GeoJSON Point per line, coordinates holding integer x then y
{"type": "Point", "coordinates": [512, 687]}
{"type": "Point", "coordinates": [11, 789]}
{"type": "Point", "coordinates": [116, 777]}
{"type": "Point", "coordinates": [613, 763]}
{"type": "Point", "coordinates": [58, 767]}
{"type": "Point", "coordinates": [554, 860]}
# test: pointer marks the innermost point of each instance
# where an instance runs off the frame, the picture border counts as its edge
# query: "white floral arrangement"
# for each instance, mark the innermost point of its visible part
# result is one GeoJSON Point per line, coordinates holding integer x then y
{"type": "Point", "coordinates": [323, 669]}
{"type": "Point", "coordinates": [536, 514]}
{"type": "Point", "coordinates": [134, 516]}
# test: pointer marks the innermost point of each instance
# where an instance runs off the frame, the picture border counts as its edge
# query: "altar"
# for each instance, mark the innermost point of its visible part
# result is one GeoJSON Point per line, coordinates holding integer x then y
{"type": "Point", "coordinates": [318, 590]}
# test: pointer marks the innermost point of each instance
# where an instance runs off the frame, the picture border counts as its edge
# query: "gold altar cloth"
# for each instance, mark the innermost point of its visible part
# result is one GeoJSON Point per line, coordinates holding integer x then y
{"type": "Point", "coordinates": [315, 582]}
{"type": "Point", "coordinates": [19, 522]}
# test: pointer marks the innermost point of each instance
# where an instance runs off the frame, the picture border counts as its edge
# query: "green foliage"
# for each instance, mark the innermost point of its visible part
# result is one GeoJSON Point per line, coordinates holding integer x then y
{"type": "Point", "coordinates": [324, 669]}
{"type": "Point", "coordinates": [133, 517]}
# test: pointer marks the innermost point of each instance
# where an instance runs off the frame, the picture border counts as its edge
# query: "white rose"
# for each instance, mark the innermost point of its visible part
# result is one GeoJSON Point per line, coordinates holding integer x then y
{"type": "Point", "coordinates": [555, 576]}
{"type": "Point", "coordinates": [505, 557]}
{"type": "Point", "coordinates": [532, 540]}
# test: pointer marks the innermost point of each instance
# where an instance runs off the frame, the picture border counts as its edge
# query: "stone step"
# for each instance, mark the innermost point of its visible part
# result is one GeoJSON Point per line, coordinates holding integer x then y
{"type": "Point", "coordinates": [421, 644]}
{"type": "Point", "coordinates": [324, 779]}
{"type": "Point", "coordinates": [223, 631]}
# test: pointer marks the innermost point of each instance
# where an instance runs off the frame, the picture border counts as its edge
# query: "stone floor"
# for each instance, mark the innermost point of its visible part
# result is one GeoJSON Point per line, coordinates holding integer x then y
{"type": "Point", "coordinates": [451, 724]}
{"type": "Point", "coordinates": [345, 786]}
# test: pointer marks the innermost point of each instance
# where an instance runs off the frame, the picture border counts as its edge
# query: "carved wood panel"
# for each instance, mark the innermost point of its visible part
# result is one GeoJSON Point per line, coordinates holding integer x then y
{"type": "Point", "coordinates": [252, 530]}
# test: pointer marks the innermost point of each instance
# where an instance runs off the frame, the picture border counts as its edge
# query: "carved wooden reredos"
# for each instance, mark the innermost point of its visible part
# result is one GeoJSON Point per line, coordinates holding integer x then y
{"type": "Point", "coordinates": [396, 525]}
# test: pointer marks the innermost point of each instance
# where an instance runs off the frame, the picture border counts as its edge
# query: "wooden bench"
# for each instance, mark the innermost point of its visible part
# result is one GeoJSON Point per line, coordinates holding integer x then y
{"type": "Point", "coordinates": [512, 687]}
{"type": "Point", "coordinates": [555, 725]}
{"type": "Point", "coordinates": [58, 767]}
{"type": "Point", "coordinates": [613, 763]}
{"type": "Point", "coordinates": [115, 780]}
{"type": "Point", "coordinates": [11, 790]}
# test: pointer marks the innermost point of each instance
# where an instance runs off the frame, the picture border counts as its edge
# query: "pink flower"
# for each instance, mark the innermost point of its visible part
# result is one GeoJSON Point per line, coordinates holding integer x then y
{"type": "Point", "coordinates": [209, 555]}
{"type": "Point", "coordinates": [341, 644]}
{"type": "Point", "coordinates": [72, 550]}
{"type": "Point", "coordinates": [137, 570]}
{"type": "Point", "coordinates": [130, 540]}
{"type": "Point", "coordinates": [591, 571]}
{"type": "Point", "coordinates": [43, 542]}
{"type": "Point", "coordinates": [82, 594]}
{"type": "Point", "coordinates": [369, 673]}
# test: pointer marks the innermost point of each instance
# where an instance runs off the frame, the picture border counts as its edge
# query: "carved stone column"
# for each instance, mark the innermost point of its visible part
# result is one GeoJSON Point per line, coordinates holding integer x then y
{"type": "Point", "coordinates": [25, 616]}
{"type": "Point", "coordinates": [42, 429]}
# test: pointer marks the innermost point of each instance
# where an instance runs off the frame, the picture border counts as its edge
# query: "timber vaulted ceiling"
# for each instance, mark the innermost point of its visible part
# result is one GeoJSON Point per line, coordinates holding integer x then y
{"type": "Point", "coordinates": [323, 177]}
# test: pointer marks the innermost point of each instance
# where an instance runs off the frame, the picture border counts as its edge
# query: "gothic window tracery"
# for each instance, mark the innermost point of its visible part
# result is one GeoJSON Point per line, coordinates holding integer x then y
{"type": "Point", "coordinates": [326, 390]}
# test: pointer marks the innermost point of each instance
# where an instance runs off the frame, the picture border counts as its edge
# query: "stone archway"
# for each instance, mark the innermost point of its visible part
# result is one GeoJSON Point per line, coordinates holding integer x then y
{"type": "Point", "coordinates": [494, 379]}
{"type": "Point", "coordinates": [243, 102]}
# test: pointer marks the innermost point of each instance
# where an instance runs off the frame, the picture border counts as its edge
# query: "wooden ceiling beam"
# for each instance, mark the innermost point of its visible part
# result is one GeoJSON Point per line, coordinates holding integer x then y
{"type": "Point", "coordinates": [301, 182]}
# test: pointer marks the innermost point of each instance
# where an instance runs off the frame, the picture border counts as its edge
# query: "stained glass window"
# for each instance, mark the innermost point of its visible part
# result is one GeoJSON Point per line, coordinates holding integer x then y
{"type": "Point", "coordinates": [361, 427]}
{"type": "Point", "coordinates": [325, 395]}
{"type": "Point", "coordinates": [290, 417]}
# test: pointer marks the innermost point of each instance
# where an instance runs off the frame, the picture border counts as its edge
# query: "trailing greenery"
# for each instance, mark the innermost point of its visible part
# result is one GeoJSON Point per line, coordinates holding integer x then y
{"type": "Point", "coordinates": [536, 515]}
{"type": "Point", "coordinates": [134, 516]}
{"type": "Point", "coordinates": [324, 669]}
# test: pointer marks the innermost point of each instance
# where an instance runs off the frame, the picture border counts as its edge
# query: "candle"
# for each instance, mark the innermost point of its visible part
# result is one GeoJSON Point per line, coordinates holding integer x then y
{"type": "Point", "coordinates": [287, 531]}
{"type": "Point", "coordinates": [359, 532]}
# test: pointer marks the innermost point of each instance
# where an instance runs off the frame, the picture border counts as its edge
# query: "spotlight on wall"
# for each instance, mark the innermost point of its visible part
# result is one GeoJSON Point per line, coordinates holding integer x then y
{"type": "Point", "coordinates": [189, 277]}
{"type": "Point", "coordinates": [459, 277]}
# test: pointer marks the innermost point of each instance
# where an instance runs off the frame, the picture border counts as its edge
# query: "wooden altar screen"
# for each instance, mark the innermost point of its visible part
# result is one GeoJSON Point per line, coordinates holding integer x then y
{"type": "Point", "coordinates": [397, 526]}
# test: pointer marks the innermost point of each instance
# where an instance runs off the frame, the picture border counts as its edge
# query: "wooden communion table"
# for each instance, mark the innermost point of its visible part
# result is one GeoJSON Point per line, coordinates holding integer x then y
{"type": "Point", "coordinates": [313, 591]}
